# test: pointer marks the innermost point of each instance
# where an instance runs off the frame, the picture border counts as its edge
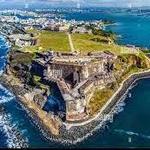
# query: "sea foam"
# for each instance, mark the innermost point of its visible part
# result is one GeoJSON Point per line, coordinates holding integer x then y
{"type": "Point", "coordinates": [14, 138]}
{"type": "Point", "coordinates": [132, 133]}
{"type": "Point", "coordinates": [12, 134]}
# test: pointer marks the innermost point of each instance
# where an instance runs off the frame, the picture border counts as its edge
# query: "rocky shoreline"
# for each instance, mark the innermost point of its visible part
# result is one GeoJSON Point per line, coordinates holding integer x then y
{"type": "Point", "coordinates": [78, 133]}
{"type": "Point", "coordinates": [72, 134]}
{"type": "Point", "coordinates": [31, 113]}
{"type": "Point", "coordinates": [20, 99]}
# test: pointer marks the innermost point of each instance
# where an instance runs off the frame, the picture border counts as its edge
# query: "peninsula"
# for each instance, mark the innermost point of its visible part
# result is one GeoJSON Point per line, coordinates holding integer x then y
{"type": "Point", "coordinates": [65, 72]}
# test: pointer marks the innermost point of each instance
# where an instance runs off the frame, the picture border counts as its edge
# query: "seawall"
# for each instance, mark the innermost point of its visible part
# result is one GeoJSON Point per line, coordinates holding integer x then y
{"type": "Point", "coordinates": [124, 86]}
{"type": "Point", "coordinates": [79, 131]}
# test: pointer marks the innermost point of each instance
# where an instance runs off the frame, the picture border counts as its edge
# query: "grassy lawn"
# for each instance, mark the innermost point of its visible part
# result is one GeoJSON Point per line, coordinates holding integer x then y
{"type": "Point", "coordinates": [84, 43]}
{"type": "Point", "coordinates": [100, 97]}
{"type": "Point", "coordinates": [57, 41]}
{"type": "Point", "coordinates": [99, 100]}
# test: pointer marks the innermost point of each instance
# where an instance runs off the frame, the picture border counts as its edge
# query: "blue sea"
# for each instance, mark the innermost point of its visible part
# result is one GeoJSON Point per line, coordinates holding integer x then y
{"type": "Point", "coordinates": [133, 27]}
{"type": "Point", "coordinates": [129, 128]}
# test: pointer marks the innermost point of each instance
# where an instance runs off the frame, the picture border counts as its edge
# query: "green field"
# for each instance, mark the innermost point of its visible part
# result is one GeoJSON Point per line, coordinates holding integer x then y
{"type": "Point", "coordinates": [98, 100]}
{"type": "Point", "coordinates": [47, 40]}
{"type": "Point", "coordinates": [84, 43]}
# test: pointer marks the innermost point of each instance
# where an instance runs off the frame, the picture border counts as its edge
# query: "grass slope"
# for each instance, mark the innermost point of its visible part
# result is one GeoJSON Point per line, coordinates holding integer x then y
{"type": "Point", "coordinates": [84, 43]}
{"type": "Point", "coordinates": [57, 41]}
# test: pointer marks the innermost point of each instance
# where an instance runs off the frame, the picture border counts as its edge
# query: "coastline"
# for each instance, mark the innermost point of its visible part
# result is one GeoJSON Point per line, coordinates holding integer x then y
{"type": "Point", "coordinates": [121, 118]}
{"type": "Point", "coordinates": [26, 104]}
{"type": "Point", "coordinates": [35, 119]}
{"type": "Point", "coordinates": [72, 130]}
{"type": "Point", "coordinates": [104, 115]}
{"type": "Point", "coordinates": [124, 87]}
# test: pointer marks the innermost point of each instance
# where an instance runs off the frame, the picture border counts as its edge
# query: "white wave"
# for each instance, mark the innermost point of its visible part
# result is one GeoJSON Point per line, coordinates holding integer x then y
{"type": "Point", "coordinates": [1, 72]}
{"type": "Point", "coordinates": [2, 47]}
{"type": "Point", "coordinates": [5, 99]}
{"type": "Point", "coordinates": [132, 133]}
{"type": "Point", "coordinates": [19, 108]}
{"type": "Point", "coordinates": [133, 85]}
{"type": "Point", "coordinates": [6, 95]}
{"type": "Point", "coordinates": [24, 131]}
{"type": "Point", "coordinates": [14, 137]}
{"type": "Point", "coordinates": [2, 57]}
{"type": "Point", "coordinates": [117, 24]}
{"type": "Point", "coordinates": [2, 38]}
{"type": "Point", "coordinates": [126, 132]}
{"type": "Point", "coordinates": [7, 92]}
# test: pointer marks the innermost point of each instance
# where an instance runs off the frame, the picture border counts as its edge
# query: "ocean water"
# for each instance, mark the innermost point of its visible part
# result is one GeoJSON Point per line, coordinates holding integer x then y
{"type": "Point", "coordinates": [133, 28]}
{"type": "Point", "coordinates": [129, 128]}
{"type": "Point", "coordinates": [16, 128]}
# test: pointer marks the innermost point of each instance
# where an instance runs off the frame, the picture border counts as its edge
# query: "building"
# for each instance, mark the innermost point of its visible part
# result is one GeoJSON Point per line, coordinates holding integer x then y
{"type": "Point", "coordinates": [64, 28]}
{"type": "Point", "coordinates": [81, 30]}
{"type": "Point", "coordinates": [76, 76]}
{"type": "Point", "coordinates": [22, 40]}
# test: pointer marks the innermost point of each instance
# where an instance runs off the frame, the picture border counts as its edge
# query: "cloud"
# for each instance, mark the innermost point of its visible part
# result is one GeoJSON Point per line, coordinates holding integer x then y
{"type": "Point", "coordinates": [121, 3]}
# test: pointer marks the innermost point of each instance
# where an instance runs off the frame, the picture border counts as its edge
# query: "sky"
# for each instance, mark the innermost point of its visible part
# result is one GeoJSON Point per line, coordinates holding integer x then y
{"type": "Point", "coordinates": [78, 3]}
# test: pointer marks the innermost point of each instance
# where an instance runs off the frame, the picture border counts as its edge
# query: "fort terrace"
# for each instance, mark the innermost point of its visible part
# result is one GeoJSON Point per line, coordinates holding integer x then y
{"type": "Point", "coordinates": [75, 76]}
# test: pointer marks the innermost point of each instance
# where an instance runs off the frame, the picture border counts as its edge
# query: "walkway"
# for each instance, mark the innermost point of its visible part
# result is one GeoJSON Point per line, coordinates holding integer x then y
{"type": "Point", "coordinates": [71, 43]}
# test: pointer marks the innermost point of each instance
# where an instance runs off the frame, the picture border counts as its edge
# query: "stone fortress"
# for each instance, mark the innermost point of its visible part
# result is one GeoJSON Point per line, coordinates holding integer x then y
{"type": "Point", "coordinates": [76, 76]}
